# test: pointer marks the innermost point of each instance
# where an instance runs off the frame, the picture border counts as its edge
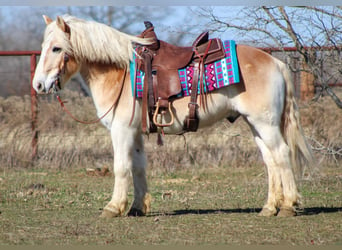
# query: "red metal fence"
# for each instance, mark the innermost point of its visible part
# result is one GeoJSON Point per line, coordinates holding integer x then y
{"type": "Point", "coordinates": [34, 104]}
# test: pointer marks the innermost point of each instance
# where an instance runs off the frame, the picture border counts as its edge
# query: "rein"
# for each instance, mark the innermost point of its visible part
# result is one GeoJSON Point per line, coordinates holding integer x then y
{"type": "Point", "coordinates": [104, 115]}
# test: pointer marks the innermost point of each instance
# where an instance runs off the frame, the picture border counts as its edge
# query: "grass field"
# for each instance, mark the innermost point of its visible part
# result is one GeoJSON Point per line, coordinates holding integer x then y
{"type": "Point", "coordinates": [212, 206]}
{"type": "Point", "coordinates": [205, 189]}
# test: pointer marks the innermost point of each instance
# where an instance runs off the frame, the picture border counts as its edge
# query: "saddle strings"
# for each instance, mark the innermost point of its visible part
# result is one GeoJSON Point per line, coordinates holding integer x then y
{"type": "Point", "coordinates": [203, 92]}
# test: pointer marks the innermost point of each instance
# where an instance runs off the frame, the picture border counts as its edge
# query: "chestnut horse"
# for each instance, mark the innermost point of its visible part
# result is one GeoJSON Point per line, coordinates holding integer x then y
{"type": "Point", "coordinates": [263, 97]}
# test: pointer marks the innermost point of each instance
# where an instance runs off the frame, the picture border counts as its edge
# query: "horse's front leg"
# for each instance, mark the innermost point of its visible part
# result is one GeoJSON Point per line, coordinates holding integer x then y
{"type": "Point", "coordinates": [142, 200]}
{"type": "Point", "coordinates": [129, 160]}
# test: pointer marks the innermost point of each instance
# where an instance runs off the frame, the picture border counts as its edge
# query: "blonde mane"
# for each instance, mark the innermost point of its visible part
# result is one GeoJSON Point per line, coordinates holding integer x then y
{"type": "Point", "coordinates": [96, 42]}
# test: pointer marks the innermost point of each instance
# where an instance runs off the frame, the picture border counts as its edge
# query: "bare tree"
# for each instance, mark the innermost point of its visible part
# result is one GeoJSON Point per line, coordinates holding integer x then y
{"type": "Point", "coordinates": [315, 32]}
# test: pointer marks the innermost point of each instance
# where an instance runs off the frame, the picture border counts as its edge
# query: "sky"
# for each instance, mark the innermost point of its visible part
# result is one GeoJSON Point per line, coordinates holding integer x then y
{"type": "Point", "coordinates": [177, 22]}
{"type": "Point", "coordinates": [164, 27]}
{"type": "Point", "coordinates": [168, 3]}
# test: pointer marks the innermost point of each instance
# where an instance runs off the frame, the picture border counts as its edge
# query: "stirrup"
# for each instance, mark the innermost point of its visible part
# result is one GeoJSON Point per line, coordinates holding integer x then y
{"type": "Point", "coordinates": [159, 124]}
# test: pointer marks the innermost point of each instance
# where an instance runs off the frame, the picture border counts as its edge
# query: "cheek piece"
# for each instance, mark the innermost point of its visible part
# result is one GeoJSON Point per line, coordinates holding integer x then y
{"type": "Point", "coordinates": [57, 84]}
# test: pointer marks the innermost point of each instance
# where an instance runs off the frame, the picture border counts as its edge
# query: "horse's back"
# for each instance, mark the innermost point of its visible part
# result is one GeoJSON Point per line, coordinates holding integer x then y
{"type": "Point", "coordinates": [262, 83]}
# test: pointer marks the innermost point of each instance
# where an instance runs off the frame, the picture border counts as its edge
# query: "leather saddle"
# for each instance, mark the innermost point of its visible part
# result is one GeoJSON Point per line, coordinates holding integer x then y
{"type": "Point", "coordinates": [160, 62]}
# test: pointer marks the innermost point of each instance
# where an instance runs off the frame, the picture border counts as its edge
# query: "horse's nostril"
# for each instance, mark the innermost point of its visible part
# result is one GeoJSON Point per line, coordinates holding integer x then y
{"type": "Point", "coordinates": [40, 87]}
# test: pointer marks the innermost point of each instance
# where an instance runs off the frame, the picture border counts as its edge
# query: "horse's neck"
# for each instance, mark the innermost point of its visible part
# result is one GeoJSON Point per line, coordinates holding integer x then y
{"type": "Point", "coordinates": [105, 82]}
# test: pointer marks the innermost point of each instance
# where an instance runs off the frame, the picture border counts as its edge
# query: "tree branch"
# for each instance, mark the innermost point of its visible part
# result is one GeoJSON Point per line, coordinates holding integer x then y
{"type": "Point", "coordinates": [301, 26]}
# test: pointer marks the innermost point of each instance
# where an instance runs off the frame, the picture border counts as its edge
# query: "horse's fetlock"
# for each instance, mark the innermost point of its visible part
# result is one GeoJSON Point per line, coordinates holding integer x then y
{"type": "Point", "coordinates": [147, 203]}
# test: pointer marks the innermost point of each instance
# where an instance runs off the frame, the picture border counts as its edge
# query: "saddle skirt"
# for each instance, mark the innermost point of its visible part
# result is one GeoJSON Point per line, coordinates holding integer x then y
{"type": "Point", "coordinates": [218, 74]}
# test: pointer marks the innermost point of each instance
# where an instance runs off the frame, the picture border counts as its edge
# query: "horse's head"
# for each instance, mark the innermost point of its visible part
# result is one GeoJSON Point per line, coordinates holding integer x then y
{"type": "Point", "coordinates": [57, 63]}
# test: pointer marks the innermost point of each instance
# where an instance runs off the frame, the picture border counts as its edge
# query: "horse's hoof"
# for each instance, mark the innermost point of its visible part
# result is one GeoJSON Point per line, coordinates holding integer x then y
{"type": "Point", "coordinates": [286, 212]}
{"type": "Point", "coordinates": [110, 212]}
{"type": "Point", "coordinates": [135, 212]}
{"type": "Point", "coordinates": [266, 212]}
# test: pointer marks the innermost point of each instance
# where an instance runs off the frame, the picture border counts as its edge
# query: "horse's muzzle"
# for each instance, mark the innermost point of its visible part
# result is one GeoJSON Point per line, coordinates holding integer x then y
{"type": "Point", "coordinates": [40, 87]}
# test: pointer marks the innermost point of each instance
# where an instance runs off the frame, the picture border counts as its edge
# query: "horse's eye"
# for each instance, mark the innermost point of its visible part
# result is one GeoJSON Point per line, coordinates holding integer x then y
{"type": "Point", "coordinates": [56, 49]}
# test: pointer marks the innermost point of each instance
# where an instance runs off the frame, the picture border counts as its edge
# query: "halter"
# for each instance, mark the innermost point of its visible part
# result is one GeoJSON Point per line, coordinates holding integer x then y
{"type": "Point", "coordinates": [57, 86]}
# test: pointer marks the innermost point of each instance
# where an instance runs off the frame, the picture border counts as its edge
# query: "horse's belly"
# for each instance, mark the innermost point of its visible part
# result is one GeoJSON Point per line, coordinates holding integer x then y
{"type": "Point", "coordinates": [218, 107]}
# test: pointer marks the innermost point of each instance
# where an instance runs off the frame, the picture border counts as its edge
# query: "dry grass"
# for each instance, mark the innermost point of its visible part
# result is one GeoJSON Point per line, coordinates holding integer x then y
{"type": "Point", "coordinates": [64, 143]}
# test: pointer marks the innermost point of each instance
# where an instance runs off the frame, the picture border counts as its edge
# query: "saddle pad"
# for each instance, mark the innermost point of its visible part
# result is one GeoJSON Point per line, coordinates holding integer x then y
{"type": "Point", "coordinates": [218, 74]}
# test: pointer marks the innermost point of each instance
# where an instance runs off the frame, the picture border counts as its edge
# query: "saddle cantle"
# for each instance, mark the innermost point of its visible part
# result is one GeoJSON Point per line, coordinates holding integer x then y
{"type": "Point", "coordinates": [160, 61]}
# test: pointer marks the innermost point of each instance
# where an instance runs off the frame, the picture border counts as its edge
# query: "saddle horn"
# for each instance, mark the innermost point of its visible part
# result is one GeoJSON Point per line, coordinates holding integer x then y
{"type": "Point", "coordinates": [149, 33]}
{"type": "Point", "coordinates": [148, 24]}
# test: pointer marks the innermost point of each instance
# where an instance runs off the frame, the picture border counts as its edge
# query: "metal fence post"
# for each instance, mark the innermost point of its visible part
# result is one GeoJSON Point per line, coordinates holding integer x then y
{"type": "Point", "coordinates": [34, 111]}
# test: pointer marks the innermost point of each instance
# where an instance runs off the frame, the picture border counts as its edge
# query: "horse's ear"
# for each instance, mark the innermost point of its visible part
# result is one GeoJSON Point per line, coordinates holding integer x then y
{"type": "Point", "coordinates": [47, 20]}
{"type": "Point", "coordinates": [62, 25]}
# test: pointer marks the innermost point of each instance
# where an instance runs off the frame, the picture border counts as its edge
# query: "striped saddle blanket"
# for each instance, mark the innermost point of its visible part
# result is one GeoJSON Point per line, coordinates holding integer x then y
{"type": "Point", "coordinates": [218, 74]}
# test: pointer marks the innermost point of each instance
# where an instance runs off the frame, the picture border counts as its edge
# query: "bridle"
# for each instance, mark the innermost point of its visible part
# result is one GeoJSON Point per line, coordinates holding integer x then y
{"type": "Point", "coordinates": [57, 86]}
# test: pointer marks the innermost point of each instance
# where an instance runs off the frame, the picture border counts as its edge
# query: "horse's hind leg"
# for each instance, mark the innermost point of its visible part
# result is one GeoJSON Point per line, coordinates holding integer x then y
{"type": "Point", "coordinates": [274, 181]}
{"type": "Point", "coordinates": [282, 189]}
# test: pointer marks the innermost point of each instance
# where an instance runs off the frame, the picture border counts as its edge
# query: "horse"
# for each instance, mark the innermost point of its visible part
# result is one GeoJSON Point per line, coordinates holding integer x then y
{"type": "Point", "coordinates": [264, 98]}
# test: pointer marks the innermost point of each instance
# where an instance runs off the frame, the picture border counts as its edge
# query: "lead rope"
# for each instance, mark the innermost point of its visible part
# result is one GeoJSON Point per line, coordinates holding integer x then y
{"type": "Point", "coordinates": [100, 118]}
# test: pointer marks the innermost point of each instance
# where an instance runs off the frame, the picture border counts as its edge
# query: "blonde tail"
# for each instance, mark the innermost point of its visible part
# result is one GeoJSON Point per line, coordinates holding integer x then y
{"type": "Point", "coordinates": [300, 151]}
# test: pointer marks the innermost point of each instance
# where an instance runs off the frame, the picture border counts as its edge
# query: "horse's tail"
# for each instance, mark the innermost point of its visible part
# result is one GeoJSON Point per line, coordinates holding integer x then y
{"type": "Point", "coordinates": [300, 151]}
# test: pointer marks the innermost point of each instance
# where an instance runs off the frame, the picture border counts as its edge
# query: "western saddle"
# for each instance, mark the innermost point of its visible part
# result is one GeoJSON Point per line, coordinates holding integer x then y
{"type": "Point", "coordinates": [160, 62]}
